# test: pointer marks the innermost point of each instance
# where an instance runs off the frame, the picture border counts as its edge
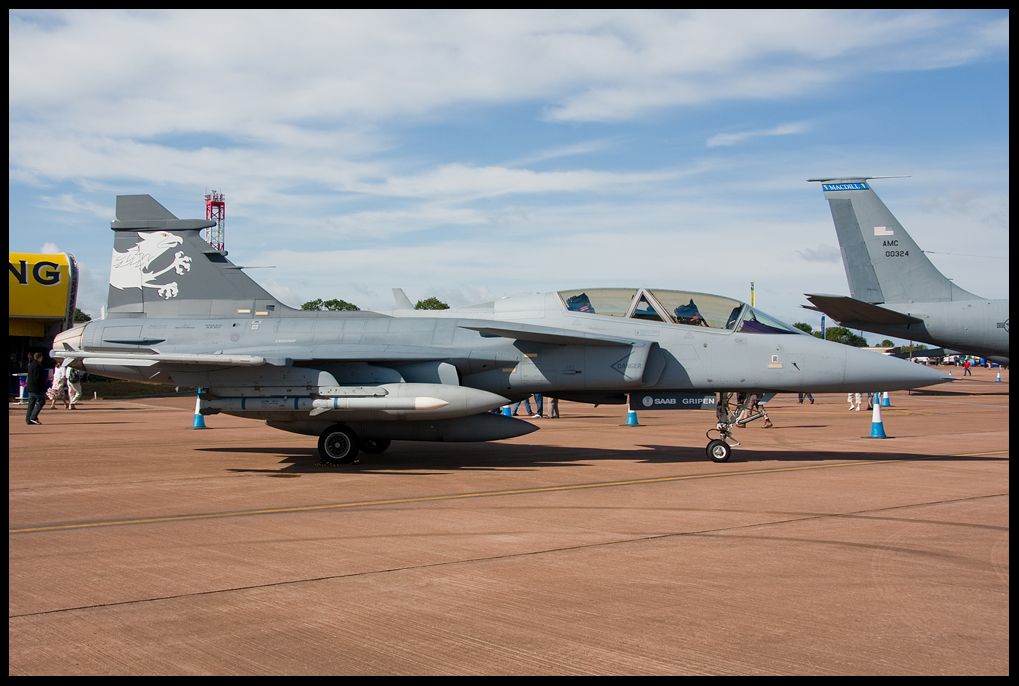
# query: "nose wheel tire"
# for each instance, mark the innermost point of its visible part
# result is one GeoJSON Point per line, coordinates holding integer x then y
{"type": "Point", "coordinates": [718, 451]}
{"type": "Point", "coordinates": [338, 445]}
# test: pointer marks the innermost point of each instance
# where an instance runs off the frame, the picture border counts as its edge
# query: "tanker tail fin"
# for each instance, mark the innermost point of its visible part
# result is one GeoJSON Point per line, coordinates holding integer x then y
{"type": "Point", "coordinates": [883, 263]}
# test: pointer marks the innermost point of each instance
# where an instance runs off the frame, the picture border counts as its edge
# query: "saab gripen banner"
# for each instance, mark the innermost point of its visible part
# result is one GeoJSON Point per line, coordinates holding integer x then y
{"type": "Point", "coordinates": [672, 400]}
{"type": "Point", "coordinates": [41, 286]}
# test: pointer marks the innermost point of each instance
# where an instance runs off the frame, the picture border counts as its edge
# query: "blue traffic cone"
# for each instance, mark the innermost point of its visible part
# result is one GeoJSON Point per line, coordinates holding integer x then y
{"type": "Point", "coordinates": [877, 427]}
{"type": "Point", "coordinates": [199, 422]}
{"type": "Point", "coordinates": [999, 376]}
{"type": "Point", "coordinates": [631, 418]}
{"type": "Point", "coordinates": [507, 411]}
{"type": "Point", "coordinates": [885, 400]}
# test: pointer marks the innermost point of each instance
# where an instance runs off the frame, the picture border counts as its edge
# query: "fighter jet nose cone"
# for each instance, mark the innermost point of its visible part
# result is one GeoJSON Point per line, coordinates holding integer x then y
{"type": "Point", "coordinates": [882, 373]}
{"type": "Point", "coordinates": [922, 375]}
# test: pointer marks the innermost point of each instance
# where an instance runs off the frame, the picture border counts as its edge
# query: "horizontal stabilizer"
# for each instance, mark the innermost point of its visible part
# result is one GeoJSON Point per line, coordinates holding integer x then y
{"type": "Point", "coordinates": [844, 309]}
{"type": "Point", "coordinates": [923, 352]}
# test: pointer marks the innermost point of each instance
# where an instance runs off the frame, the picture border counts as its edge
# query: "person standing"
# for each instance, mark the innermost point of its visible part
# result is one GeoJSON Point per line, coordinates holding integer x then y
{"type": "Point", "coordinates": [553, 408]}
{"type": "Point", "coordinates": [12, 377]}
{"type": "Point", "coordinates": [35, 386]}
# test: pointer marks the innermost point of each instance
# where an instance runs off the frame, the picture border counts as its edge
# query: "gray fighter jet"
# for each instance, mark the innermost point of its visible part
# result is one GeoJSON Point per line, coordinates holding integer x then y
{"type": "Point", "coordinates": [896, 291]}
{"type": "Point", "coordinates": [179, 312]}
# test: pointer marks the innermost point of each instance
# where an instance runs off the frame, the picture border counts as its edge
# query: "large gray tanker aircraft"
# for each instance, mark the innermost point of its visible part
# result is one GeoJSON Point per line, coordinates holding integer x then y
{"type": "Point", "coordinates": [179, 312]}
{"type": "Point", "coordinates": [896, 291]}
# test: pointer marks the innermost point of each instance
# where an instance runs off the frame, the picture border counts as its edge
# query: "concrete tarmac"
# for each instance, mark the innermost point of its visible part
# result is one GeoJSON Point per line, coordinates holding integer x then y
{"type": "Point", "coordinates": [138, 545]}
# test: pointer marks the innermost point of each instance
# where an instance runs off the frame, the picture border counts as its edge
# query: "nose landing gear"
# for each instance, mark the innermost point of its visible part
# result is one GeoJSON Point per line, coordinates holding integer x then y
{"type": "Point", "coordinates": [719, 449]}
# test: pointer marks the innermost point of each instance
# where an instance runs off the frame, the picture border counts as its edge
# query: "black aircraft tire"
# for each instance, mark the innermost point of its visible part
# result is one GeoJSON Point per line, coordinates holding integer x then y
{"type": "Point", "coordinates": [375, 446]}
{"type": "Point", "coordinates": [718, 451]}
{"type": "Point", "coordinates": [338, 445]}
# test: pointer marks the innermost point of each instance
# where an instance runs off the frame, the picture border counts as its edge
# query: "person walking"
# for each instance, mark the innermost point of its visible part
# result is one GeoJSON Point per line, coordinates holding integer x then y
{"type": "Point", "coordinates": [527, 407]}
{"type": "Point", "coordinates": [57, 390]}
{"type": "Point", "coordinates": [35, 387]}
{"type": "Point", "coordinates": [73, 387]}
{"type": "Point", "coordinates": [757, 406]}
{"type": "Point", "coordinates": [538, 403]}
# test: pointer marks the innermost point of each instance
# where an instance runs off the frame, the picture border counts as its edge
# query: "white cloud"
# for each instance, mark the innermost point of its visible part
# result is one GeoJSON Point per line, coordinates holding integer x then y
{"type": "Point", "coordinates": [458, 180]}
{"type": "Point", "coordinates": [66, 202]}
{"type": "Point", "coordinates": [561, 151]}
{"type": "Point", "coordinates": [739, 137]}
{"type": "Point", "coordinates": [261, 75]}
{"type": "Point", "coordinates": [822, 253]}
{"type": "Point", "coordinates": [270, 99]}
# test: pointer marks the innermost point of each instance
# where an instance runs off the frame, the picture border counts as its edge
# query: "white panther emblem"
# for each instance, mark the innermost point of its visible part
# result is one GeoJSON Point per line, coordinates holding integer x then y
{"type": "Point", "coordinates": [131, 269]}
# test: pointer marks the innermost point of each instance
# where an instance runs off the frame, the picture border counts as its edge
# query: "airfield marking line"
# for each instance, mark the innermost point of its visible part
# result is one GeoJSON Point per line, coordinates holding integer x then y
{"type": "Point", "coordinates": [432, 498]}
{"type": "Point", "coordinates": [953, 402]}
{"type": "Point", "coordinates": [508, 556]}
{"type": "Point", "coordinates": [226, 440]}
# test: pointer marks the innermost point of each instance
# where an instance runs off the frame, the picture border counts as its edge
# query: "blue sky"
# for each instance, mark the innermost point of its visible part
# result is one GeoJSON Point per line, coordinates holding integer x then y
{"type": "Point", "coordinates": [475, 155]}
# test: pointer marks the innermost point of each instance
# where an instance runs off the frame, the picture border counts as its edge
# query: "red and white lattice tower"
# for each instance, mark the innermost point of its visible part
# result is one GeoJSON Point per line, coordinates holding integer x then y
{"type": "Point", "coordinates": [215, 209]}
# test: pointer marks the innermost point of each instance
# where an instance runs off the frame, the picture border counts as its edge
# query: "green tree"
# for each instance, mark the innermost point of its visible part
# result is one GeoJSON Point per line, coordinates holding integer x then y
{"type": "Point", "coordinates": [841, 334]}
{"type": "Point", "coordinates": [330, 305]}
{"type": "Point", "coordinates": [807, 328]}
{"type": "Point", "coordinates": [432, 303]}
{"type": "Point", "coordinates": [886, 343]}
{"type": "Point", "coordinates": [80, 316]}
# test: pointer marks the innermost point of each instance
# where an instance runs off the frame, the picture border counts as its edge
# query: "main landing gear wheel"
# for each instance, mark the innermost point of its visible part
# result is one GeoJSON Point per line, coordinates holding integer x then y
{"type": "Point", "coordinates": [718, 450]}
{"type": "Point", "coordinates": [375, 445]}
{"type": "Point", "coordinates": [338, 445]}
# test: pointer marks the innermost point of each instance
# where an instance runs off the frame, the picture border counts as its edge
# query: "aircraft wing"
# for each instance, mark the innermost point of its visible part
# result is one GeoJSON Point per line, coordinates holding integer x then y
{"type": "Point", "coordinates": [279, 357]}
{"type": "Point", "coordinates": [133, 358]}
{"type": "Point", "coordinates": [845, 310]}
{"type": "Point", "coordinates": [543, 334]}
{"type": "Point", "coordinates": [925, 352]}
{"type": "Point", "coordinates": [284, 356]}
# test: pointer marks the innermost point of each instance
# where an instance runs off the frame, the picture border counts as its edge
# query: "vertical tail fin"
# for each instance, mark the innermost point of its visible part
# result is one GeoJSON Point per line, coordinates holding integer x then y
{"type": "Point", "coordinates": [402, 301]}
{"type": "Point", "coordinates": [883, 263]}
{"type": "Point", "coordinates": [162, 267]}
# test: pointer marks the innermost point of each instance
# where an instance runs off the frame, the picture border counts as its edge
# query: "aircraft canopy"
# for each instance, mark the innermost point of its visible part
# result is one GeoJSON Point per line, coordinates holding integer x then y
{"type": "Point", "coordinates": [673, 307]}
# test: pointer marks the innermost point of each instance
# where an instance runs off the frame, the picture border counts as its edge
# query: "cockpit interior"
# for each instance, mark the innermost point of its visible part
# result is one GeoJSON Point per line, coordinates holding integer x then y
{"type": "Point", "coordinates": [674, 307]}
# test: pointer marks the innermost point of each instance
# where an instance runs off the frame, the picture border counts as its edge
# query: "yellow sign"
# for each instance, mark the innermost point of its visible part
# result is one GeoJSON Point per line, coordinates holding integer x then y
{"type": "Point", "coordinates": [40, 285]}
